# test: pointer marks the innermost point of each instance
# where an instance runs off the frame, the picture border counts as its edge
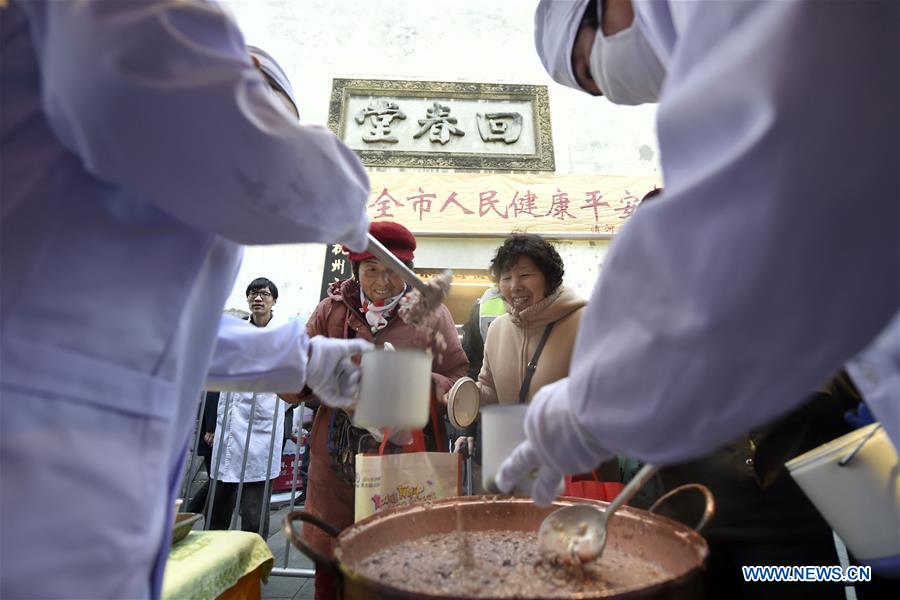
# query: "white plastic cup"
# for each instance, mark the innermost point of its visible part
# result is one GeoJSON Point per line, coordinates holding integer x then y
{"type": "Point", "coordinates": [502, 429]}
{"type": "Point", "coordinates": [861, 500]}
{"type": "Point", "coordinates": [395, 389]}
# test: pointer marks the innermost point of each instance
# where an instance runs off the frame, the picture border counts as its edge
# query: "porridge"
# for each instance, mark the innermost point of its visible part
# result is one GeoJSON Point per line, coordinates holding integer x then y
{"type": "Point", "coordinates": [501, 564]}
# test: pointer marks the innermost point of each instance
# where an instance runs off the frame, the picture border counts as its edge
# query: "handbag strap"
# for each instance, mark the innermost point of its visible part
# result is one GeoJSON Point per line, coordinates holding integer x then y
{"type": "Point", "coordinates": [532, 364]}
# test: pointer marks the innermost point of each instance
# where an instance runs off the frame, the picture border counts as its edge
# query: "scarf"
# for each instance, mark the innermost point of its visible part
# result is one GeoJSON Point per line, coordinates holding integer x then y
{"type": "Point", "coordinates": [377, 312]}
{"type": "Point", "coordinates": [529, 312]}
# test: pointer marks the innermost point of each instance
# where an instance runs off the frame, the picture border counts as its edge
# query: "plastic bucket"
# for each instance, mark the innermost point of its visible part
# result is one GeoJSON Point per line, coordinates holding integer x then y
{"type": "Point", "coordinates": [502, 429]}
{"type": "Point", "coordinates": [860, 500]}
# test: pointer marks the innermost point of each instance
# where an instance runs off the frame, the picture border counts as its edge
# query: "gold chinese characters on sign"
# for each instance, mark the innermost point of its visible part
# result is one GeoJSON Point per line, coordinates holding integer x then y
{"type": "Point", "coordinates": [496, 204]}
{"type": "Point", "coordinates": [444, 125]}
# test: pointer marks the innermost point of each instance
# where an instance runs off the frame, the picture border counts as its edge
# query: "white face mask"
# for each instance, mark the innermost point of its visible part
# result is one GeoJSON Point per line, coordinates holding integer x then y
{"type": "Point", "coordinates": [625, 68]}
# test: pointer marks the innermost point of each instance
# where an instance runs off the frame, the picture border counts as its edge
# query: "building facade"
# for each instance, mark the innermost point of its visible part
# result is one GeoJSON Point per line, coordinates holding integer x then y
{"type": "Point", "coordinates": [604, 157]}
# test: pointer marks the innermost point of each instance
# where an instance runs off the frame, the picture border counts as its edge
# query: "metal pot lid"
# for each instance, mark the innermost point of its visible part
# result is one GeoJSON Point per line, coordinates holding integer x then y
{"type": "Point", "coordinates": [463, 402]}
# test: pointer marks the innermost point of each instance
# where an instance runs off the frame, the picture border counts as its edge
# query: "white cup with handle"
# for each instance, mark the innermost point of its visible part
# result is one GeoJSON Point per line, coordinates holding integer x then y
{"type": "Point", "coordinates": [394, 389]}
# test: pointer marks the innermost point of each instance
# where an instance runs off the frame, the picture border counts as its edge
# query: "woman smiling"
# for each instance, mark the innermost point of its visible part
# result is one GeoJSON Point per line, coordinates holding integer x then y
{"type": "Point", "coordinates": [529, 272]}
{"type": "Point", "coordinates": [366, 307]}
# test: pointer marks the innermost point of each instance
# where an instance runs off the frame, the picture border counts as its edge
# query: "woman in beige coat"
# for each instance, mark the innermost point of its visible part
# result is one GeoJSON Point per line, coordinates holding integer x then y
{"type": "Point", "coordinates": [529, 273]}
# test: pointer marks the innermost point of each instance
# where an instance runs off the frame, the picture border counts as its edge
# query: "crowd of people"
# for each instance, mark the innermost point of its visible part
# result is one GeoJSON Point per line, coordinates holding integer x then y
{"type": "Point", "coordinates": [722, 305]}
{"type": "Point", "coordinates": [761, 514]}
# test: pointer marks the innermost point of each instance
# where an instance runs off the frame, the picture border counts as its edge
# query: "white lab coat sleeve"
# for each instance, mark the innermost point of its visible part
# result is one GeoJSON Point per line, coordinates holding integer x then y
{"type": "Point", "coordinates": [161, 98]}
{"type": "Point", "coordinates": [258, 359]}
{"type": "Point", "coordinates": [772, 256]}
{"type": "Point", "coordinates": [876, 373]}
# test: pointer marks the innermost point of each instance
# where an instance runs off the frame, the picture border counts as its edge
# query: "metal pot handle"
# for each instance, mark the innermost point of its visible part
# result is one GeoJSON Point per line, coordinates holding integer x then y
{"type": "Point", "coordinates": [709, 510]}
{"type": "Point", "coordinates": [321, 561]}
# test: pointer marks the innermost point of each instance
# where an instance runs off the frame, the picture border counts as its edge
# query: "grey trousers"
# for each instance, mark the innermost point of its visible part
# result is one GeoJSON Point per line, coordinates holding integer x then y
{"type": "Point", "coordinates": [253, 506]}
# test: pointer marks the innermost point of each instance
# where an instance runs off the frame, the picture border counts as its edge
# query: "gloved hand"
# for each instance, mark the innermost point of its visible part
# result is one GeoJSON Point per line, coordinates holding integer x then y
{"type": "Point", "coordinates": [331, 372]}
{"type": "Point", "coordinates": [525, 464]}
{"type": "Point", "coordinates": [464, 444]}
{"type": "Point", "coordinates": [555, 445]}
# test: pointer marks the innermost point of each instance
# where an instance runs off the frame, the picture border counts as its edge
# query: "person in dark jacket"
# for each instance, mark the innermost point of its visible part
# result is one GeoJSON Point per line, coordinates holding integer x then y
{"type": "Point", "coordinates": [762, 516]}
{"type": "Point", "coordinates": [474, 331]}
{"type": "Point", "coordinates": [197, 503]}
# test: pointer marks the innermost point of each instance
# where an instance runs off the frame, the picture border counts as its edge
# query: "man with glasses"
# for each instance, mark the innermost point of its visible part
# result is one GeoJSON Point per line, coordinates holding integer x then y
{"type": "Point", "coordinates": [252, 415]}
{"type": "Point", "coordinates": [262, 295]}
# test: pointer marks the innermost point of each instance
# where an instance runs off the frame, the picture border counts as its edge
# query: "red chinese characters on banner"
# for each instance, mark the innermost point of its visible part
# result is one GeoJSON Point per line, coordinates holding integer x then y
{"type": "Point", "coordinates": [451, 199]}
{"type": "Point", "coordinates": [585, 208]}
{"type": "Point", "coordinates": [559, 209]}
{"type": "Point", "coordinates": [421, 202]}
{"type": "Point", "coordinates": [593, 201]}
{"type": "Point", "coordinates": [524, 205]}
{"type": "Point", "coordinates": [487, 202]}
{"type": "Point", "coordinates": [629, 202]}
{"type": "Point", "coordinates": [383, 202]}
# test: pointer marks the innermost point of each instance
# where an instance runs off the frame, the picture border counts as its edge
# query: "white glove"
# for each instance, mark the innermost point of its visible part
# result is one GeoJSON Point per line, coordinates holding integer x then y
{"type": "Point", "coordinates": [523, 464]}
{"type": "Point", "coordinates": [555, 444]}
{"type": "Point", "coordinates": [464, 442]}
{"type": "Point", "coordinates": [331, 373]}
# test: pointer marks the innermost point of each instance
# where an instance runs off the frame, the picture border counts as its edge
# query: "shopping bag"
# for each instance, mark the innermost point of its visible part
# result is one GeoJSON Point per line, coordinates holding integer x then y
{"type": "Point", "coordinates": [593, 489]}
{"type": "Point", "coordinates": [386, 481]}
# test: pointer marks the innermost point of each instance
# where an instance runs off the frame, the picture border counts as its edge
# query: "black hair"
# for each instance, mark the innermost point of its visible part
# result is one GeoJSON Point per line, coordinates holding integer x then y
{"type": "Point", "coordinates": [276, 87]}
{"type": "Point", "coordinates": [652, 194]}
{"type": "Point", "coordinates": [354, 267]}
{"type": "Point", "coordinates": [540, 251]}
{"type": "Point", "coordinates": [261, 283]}
{"type": "Point", "coordinates": [591, 16]}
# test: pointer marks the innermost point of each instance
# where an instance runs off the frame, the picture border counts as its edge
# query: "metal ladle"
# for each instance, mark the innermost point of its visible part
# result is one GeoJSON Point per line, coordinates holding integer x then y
{"type": "Point", "coordinates": [433, 295]}
{"type": "Point", "coordinates": [577, 533]}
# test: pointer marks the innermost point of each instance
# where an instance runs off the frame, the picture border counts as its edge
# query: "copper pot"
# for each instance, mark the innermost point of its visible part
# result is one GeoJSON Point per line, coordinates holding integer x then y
{"type": "Point", "coordinates": [677, 548]}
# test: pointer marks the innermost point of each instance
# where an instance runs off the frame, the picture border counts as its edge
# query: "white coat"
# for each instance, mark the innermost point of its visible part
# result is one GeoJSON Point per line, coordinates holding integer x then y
{"type": "Point", "coordinates": [231, 432]}
{"type": "Point", "coordinates": [774, 254]}
{"type": "Point", "coordinates": [139, 148]}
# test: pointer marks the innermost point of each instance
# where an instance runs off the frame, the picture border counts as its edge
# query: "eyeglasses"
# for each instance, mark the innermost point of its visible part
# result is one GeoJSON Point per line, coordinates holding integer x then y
{"type": "Point", "coordinates": [261, 293]}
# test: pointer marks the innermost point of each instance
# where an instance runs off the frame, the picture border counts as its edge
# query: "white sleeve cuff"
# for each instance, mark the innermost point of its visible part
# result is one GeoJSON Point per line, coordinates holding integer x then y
{"type": "Point", "coordinates": [252, 359]}
{"type": "Point", "coordinates": [556, 434]}
{"type": "Point", "coordinates": [876, 373]}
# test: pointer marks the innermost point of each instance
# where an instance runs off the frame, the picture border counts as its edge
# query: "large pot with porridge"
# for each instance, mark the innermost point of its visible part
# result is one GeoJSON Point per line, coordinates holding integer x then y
{"type": "Point", "coordinates": [485, 547]}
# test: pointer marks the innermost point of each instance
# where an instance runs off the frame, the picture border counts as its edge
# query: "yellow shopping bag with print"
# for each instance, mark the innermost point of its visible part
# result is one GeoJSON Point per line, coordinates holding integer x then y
{"type": "Point", "coordinates": [386, 481]}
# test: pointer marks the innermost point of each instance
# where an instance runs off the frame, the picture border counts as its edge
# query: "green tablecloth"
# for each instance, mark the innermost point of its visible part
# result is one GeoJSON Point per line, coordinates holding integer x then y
{"type": "Point", "coordinates": [206, 563]}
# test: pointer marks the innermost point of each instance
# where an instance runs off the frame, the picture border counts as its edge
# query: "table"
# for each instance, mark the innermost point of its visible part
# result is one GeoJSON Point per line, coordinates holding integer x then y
{"type": "Point", "coordinates": [217, 564]}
